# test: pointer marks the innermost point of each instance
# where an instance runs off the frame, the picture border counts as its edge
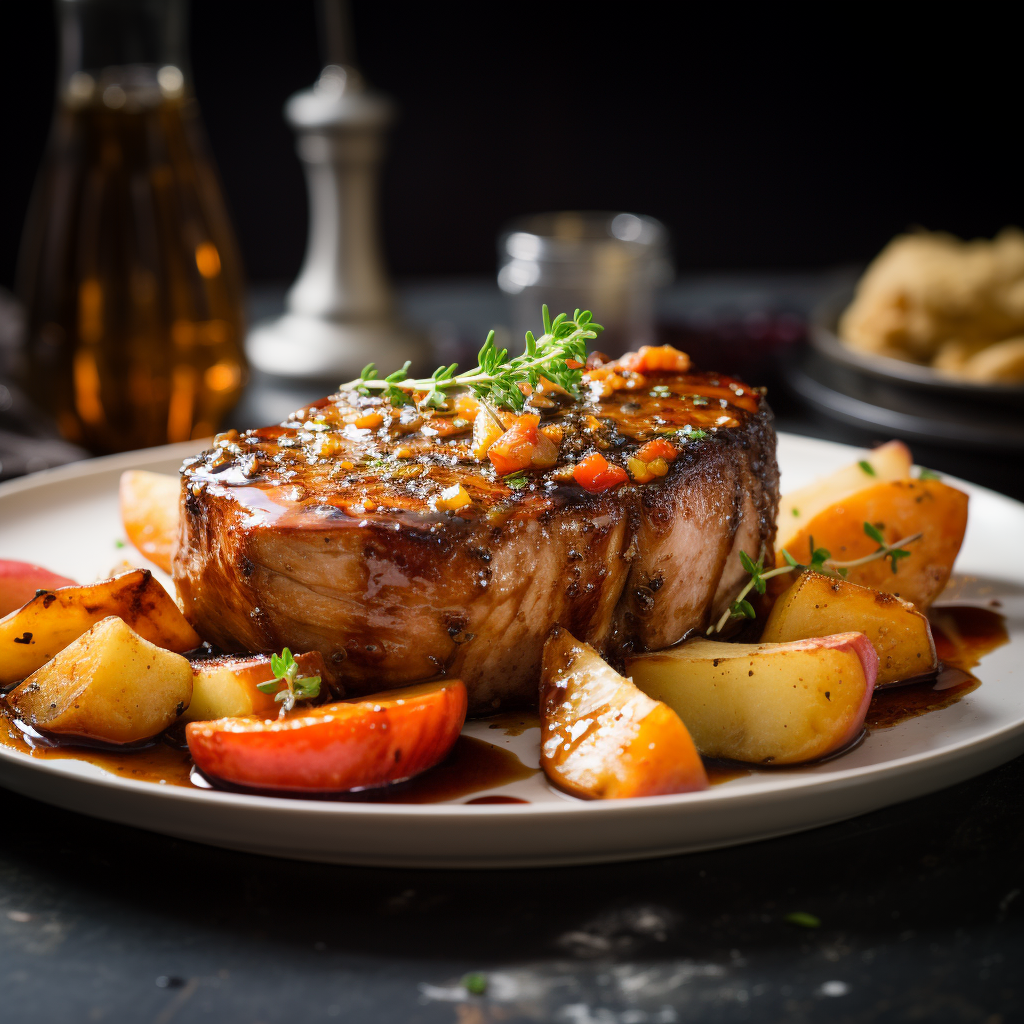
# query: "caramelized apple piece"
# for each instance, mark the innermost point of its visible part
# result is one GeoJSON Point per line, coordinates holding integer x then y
{"type": "Point", "coordinates": [149, 513]}
{"type": "Point", "coordinates": [819, 605]}
{"type": "Point", "coordinates": [31, 636]}
{"type": "Point", "coordinates": [601, 737]}
{"type": "Point", "coordinates": [109, 684]}
{"type": "Point", "coordinates": [891, 461]}
{"type": "Point", "coordinates": [765, 703]}
{"type": "Point", "coordinates": [358, 744]}
{"type": "Point", "coordinates": [898, 509]}
{"type": "Point", "coordinates": [228, 686]}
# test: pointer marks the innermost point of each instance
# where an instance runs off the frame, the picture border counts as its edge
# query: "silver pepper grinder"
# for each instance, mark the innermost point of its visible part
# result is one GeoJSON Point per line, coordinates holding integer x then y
{"type": "Point", "coordinates": [339, 313]}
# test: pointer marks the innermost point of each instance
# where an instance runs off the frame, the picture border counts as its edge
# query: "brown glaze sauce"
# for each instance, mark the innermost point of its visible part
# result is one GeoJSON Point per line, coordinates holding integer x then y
{"type": "Point", "coordinates": [473, 765]}
{"type": "Point", "coordinates": [963, 635]}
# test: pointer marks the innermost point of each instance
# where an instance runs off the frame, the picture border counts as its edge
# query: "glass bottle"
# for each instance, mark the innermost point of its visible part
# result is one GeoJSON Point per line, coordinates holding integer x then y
{"type": "Point", "coordinates": [128, 267]}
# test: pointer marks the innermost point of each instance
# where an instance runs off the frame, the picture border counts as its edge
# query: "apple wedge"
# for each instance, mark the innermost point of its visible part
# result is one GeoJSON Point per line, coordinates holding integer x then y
{"type": "Point", "coordinates": [897, 509]}
{"type": "Point", "coordinates": [890, 461]}
{"type": "Point", "coordinates": [601, 737]}
{"type": "Point", "coordinates": [19, 582]}
{"type": "Point", "coordinates": [349, 745]}
{"type": "Point", "coordinates": [149, 514]}
{"type": "Point", "coordinates": [109, 685]}
{"type": "Point", "coordinates": [765, 703]}
{"type": "Point", "coordinates": [32, 635]}
{"type": "Point", "coordinates": [228, 686]}
{"type": "Point", "coordinates": [817, 605]}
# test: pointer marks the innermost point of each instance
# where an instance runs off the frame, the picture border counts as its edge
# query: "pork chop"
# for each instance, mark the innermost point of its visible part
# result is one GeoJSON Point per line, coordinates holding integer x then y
{"type": "Point", "coordinates": [388, 542]}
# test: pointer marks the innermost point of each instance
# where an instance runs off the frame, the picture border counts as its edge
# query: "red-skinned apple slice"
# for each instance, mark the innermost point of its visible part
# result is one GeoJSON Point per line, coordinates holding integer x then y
{"type": "Point", "coordinates": [350, 745]}
{"type": "Point", "coordinates": [19, 582]}
{"type": "Point", "coordinates": [782, 703]}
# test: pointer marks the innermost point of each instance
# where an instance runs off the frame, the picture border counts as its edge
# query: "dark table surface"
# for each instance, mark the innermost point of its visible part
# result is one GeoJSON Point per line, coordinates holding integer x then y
{"type": "Point", "coordinates": [919, 905]}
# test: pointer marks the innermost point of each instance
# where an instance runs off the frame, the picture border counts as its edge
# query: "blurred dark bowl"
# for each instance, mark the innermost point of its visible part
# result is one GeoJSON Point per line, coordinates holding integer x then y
{"type": "Point", "coordinates": [824, 337]}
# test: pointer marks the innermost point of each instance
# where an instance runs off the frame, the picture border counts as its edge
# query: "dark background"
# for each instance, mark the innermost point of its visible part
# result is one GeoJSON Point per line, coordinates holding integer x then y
{"type": "Point", "coordinates": [764, 140]}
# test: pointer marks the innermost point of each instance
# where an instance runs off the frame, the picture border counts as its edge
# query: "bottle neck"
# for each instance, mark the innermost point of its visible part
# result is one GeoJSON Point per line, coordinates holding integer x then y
{"type": "Point", "coordinates": [122, 52]}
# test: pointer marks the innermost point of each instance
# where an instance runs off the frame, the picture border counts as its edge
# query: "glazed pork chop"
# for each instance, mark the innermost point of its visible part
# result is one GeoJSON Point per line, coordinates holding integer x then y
{"type": "Point", "coordinates": [397, 544]}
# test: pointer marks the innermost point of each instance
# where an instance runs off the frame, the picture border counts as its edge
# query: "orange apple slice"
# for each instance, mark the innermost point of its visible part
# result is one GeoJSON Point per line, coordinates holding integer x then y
{"type": "Point", "coordinates": [149, 514]}
{"type": "Point", "coordinates": [601, 737]}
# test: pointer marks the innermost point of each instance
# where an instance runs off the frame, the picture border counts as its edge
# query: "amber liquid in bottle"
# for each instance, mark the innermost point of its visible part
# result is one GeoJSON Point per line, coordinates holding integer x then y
{"type": "Point", "coordinates": [129, 269]}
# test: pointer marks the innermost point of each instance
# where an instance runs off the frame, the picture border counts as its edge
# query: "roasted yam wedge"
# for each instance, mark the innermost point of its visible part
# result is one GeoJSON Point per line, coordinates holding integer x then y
{"type": "Point", "coordinates": [601, 737]}
{"type": "Point", "coordinates": [898, 509]}
{"type": "Point", "coordinates": [338, 747]}
{"type": "Point", "coordinates": [19, 582]}
{"type": "Point", "coordinates": [891, 461]}
{"type": "Point", "coordinates": [108, 685]}
{"type": "Point", "coordinates": [149, 513]}
{"type": "Point", "coordinates": [765, 703]}
{"type": "Point", "coordinates": [819, 605]}
{"type": "Point", "coordinates": [49, 622]}
{"type": "Point", "coordinates": [227, 686]}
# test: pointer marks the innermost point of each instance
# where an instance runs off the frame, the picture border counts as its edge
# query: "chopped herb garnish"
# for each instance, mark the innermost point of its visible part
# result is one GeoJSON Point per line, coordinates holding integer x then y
{"type": "Point", "coordinates": [286, 671]}
{"type": "Point", "coordinates": [867, 467]}
{"type": "Point", "coordinates": [475, 983]}
{"type": "Point", "coordinates": [802, 919]}
{"type": "Point", "coordinates": [118, 543]}
{"type": "Point", "coordinates": [928, 474]}
{"type": "Point", "coordinates": [516, 481]}
{"type": "Point", "coordinates": [796, 512]}
{"type": "Point", "coordinates": [495, 379]}
{"type": "Point", "coordinates": [821, 561]}
{"type": "Point", "coordinates": [698, 400]}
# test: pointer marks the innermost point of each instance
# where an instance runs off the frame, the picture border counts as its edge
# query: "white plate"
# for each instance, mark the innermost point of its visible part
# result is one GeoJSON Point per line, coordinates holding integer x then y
{"type": "Point", "coordinates": [67, 520]}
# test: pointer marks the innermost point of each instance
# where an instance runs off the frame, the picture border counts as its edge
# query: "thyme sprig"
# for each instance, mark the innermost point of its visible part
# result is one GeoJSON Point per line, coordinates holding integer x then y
{"type": "Point", "coordinates": [296, 687]}
{"type": "Point", "coordinates": [821, 562]}
{"type": "Point", "coordinates": [495, 379]}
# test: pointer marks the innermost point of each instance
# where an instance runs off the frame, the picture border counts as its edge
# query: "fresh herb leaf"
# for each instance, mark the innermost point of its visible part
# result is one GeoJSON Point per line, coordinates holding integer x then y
{"type": "Point", "coordinates": [802, 919]}
{"type": "Point", "coordinates": [928, 474]}
{"type": "Point", "coordinates": [118, 543]}
{"type": "Point", "coordinates": [874, 533]}
{"type": "Point", "coordinates": [296, 687]}
{"type": "Point", "coordinates": [867, 467]}
{"type": "Point", "coordinates": [821, 561]}
{"type": "Point", "coordinates": [475, 983]}
{"type": "Point", "coordinates": [496, 379]}
{"type": "Point", "coordinates": [517, 481]}
{"type": "Point", "coordinates": [796, 512]}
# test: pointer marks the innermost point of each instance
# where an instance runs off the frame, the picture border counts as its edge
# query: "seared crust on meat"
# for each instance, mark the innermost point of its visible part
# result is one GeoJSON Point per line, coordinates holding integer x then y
{"type": "Point", "coordinates": [332, 532]}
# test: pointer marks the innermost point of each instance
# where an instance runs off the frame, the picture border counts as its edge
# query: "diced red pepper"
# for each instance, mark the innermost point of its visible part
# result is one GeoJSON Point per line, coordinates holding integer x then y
{"type": "Point", "coordinates": [514, 450]}
{"type": "Point", "coordinates": [595, 474]}
{"type": "Point", "coordinates": [658, 448]}
{"type": "Point", "coordinates": [655, 359]}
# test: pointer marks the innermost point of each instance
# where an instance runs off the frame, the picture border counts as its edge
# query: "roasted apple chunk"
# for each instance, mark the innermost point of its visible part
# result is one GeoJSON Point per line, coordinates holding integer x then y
{"type": "Point", "coordinates": [228, 686]}
{"type": "Point", "coordinates": [349, 745]}
{"type": "Point", "coordinates": [31, 636]}
{"type": "Point", "coordinates": [110, 684]}
{"type": "Point", "coordinates": [765, 703]}
{"type": "Point", "coordinates": [149, 514]}
{"type": "Point", "coordinates": [819, 605]}
{"type": "Point", "coordinates": [890, 461]}
{"type": "Point", "coordinates": [601, 737]}
{"type": "Point", "coordinates": [896, 509]}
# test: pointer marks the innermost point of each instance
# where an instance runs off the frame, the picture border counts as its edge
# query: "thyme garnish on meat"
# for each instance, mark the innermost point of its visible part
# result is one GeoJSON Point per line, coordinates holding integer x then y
{"type": "Point", "coordinates": [495, 379]}
{"type": "Point", "coordinates": [821, 562]}
{"type": "Point", "coordinates": [296, 687]}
